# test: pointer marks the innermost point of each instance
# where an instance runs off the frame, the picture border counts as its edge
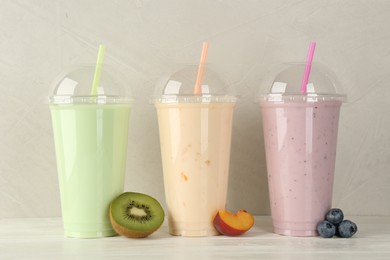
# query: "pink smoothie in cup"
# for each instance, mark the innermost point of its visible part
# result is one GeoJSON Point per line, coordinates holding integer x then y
{"type": "Point", "coordinates": [300, 137]}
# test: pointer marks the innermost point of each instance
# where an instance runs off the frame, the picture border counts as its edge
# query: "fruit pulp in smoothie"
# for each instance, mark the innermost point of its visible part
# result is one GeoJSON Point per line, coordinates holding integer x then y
{"type": "Point", "coordinates": [195, 148]}
{"type": "Point", "coordinates": [91, 146]}
{"type": "Point", "coordinates": [300, 143]}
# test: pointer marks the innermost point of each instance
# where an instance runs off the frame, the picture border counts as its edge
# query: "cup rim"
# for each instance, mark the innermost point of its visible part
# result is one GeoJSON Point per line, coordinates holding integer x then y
{"type": "Point", "coordinates": [88, 99]}
{"type": "Point", "coordinates": [204, 98]}
{"type": "Point", "coordinates": [308, 97]}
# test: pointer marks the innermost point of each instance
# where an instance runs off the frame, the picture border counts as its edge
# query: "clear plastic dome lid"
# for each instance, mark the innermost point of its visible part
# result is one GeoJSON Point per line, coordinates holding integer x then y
{"type": "Point", "coordinates": [179, 87]}
{"type": "Point", "coordinates": [75, 87]}
{"type": "Point", "coordinates": [286, 84]}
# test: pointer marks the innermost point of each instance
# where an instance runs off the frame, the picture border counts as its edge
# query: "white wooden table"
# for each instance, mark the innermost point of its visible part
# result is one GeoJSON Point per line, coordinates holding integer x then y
{"type": "Point", "coordinates": [42, 238]}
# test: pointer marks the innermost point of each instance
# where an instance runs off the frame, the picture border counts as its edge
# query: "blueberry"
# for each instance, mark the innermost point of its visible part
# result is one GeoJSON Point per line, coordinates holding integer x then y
{"type": "Point", "coordinates": [326, 229]}
{"type": "Point", "coordinates": [334, 216]}
{"type": "Point", "coordinates": [346, 229]}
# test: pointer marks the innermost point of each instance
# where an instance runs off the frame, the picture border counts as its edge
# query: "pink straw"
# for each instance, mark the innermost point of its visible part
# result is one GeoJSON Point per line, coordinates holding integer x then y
{"type": "Point", "coordinates": [202, 65]}
{"type": "Point", "coordinates": [309, 61]}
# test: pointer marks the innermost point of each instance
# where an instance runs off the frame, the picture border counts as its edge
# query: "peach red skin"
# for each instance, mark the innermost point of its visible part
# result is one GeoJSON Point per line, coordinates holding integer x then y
{"type": "Point", "coordinates": [224, 228]}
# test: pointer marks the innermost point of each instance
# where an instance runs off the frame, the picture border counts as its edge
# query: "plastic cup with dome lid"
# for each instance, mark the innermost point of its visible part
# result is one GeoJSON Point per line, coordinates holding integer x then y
{"type": "Point", "coordinates": [300, 116]}
{"type": "Point", "coordinates": [90, 110]}
{"type": "Point", "coordinates": [195, 112]}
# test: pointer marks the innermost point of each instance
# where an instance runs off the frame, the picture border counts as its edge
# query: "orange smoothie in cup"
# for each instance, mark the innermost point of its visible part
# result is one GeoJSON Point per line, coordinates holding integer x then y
{"type": "Point", "coordinates": [195, 149]}
{"type": "Point", "coordinates": [195, 114]}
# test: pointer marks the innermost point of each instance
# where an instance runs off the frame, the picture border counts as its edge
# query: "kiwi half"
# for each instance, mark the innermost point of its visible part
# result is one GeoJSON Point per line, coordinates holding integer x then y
{"type": "Point", "coordinates": [135, 215]}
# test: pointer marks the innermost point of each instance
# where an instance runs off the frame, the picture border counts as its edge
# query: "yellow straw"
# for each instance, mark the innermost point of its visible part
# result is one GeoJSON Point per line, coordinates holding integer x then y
{"type": "Point", "coordinates": [98, 70]}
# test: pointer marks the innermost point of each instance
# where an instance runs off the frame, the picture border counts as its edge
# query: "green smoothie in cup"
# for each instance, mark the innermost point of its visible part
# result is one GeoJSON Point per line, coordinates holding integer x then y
{"type": "Point", "coordinates": [91, 137]}
{"type": "Point", "coordinates": [91, 147]}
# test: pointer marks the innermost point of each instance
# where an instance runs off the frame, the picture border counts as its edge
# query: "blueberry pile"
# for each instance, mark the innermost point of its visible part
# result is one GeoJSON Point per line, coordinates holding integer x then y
{"type": "Point", "coordinates": [335, 225]}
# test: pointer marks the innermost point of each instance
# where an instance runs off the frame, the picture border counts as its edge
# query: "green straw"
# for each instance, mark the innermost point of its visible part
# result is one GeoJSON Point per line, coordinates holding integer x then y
{"type": "Point", "coordinates": [98, 70]}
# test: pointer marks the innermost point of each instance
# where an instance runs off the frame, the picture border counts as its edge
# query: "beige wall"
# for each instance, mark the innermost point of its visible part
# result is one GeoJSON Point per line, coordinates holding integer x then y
{"type": "Point", "coordinates": [147, 39]}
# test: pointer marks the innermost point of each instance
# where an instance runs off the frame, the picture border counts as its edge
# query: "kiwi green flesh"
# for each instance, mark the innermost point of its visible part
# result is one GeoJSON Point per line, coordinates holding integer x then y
{"type": "Point", "coordinates": [135, 214]}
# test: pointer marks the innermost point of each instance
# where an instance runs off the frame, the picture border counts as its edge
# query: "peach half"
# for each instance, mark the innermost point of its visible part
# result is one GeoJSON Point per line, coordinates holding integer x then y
{"type": "Point", "coordinates": [230, 224]}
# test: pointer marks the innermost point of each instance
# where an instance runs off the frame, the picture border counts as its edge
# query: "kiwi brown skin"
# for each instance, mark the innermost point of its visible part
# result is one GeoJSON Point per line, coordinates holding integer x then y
{"type": "Point", "coordinates": [132, 231]}
{"type": "Point", "coordinates": [129, 233]}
